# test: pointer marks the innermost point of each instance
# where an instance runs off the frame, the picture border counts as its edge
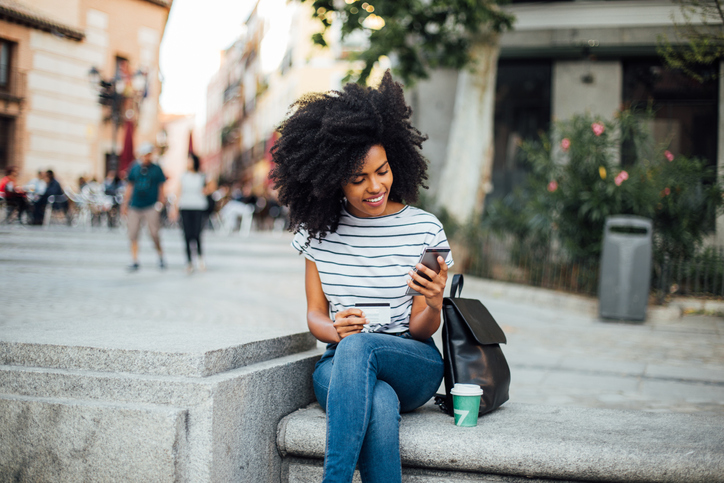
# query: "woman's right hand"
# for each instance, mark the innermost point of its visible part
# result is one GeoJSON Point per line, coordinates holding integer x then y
{"type": "Point", "coordinates": [349, 321]}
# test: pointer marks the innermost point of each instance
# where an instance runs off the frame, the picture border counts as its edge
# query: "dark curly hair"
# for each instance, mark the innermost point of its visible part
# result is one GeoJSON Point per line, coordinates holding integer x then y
{"type": "Point", "coordinates": [324, 141]}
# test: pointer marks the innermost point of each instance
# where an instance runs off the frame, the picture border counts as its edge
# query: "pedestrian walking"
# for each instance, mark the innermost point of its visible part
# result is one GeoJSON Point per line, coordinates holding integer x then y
{"type": "Point", "coordinates": [334, 167]}
{"type": "Point", "coordinates": [143, 202]}
{"type": "Point", "coordinates": [192, 205]}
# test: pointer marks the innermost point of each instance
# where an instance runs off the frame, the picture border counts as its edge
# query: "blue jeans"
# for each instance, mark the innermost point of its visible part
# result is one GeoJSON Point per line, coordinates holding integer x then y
{"type": "Point", "coordinates": [363, 385]}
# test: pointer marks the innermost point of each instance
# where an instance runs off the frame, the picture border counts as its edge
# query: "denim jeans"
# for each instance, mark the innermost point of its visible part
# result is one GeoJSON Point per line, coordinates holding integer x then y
{"type": "Point", "coordinates": [364, 384]}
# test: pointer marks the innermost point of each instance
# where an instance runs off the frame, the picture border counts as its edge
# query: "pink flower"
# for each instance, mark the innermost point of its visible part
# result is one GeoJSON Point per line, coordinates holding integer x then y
{"type": "Point", "coordinates": [669, 155]}
{"type": "Point", "coordinates": [667, 191]}
{"type": "Point", "coordinates": [565, 144]}
{"type": "Point", "coordinates": [618, 180]}
{"type": "Point", "coordinates": [623, 175]}
{"type": "Point", "coordinates": [598, 128]}
{"type": "Point", "coordinates": [552, 186]}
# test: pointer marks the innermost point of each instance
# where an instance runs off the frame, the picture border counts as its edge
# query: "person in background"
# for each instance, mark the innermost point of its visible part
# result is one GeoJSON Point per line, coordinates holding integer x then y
{"type": "Point", "coordinates": [113, 187]}
{"type": "Point", "coordinates": [143, 201]}
{"type": "Point", "coordinates": [36, 186]}
{"type": "Point", "coordinates": [192, 205]}
{"type": "Point", "coordinates": [14, 195]}
{"type": "Point", "coordinates": [53, 194]}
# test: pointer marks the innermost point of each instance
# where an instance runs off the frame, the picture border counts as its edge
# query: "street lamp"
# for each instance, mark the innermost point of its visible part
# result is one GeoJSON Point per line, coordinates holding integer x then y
{"type": "Point", "coordinates": [114, 93]}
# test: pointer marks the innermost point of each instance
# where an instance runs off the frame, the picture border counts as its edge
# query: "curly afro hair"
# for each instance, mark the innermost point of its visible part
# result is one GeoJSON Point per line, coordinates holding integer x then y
{"type": "Point", "coordinates": [323, 144]}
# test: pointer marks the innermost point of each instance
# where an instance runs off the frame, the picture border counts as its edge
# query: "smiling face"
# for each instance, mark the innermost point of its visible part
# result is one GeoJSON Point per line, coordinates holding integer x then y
{"type": "Point", "coordinates": [368, 192]}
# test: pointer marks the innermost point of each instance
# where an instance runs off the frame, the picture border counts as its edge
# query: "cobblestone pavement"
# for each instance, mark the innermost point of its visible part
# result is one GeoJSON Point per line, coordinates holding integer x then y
{"type": "Point", "coordinates": [69, 286]}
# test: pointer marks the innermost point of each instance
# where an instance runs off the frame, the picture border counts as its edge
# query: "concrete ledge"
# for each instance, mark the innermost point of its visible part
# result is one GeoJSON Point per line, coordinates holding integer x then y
{"type": "Point", "coordinates": [201, 363]}
{"type": "Point", "coordinates": [529, 441]}
{"type": "Point", "coordinates": [54, 440]}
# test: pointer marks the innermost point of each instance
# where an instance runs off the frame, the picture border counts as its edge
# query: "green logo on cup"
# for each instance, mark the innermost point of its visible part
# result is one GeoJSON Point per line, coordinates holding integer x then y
{"type": "Point", "coordinates": [466, 403]}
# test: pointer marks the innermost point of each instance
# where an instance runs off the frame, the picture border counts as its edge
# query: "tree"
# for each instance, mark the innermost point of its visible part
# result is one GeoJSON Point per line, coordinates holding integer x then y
{"type": "Point", "coordinates": [420, 35]}
{"type": "Point", "coordinates": [699, 39]}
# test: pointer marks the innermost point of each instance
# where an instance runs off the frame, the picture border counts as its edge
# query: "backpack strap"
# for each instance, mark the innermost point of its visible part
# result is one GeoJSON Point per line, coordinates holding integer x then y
{"type": "Point", "coordinates": [456, 289]}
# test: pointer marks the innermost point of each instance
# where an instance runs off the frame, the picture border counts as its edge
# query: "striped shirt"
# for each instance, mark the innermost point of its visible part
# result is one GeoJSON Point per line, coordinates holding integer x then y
{"type": "Point", "coordinates": [367, 260]}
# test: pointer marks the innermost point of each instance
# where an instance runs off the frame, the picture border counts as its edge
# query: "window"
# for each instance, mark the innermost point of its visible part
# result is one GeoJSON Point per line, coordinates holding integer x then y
{"type": "Point", "coordinates": [4, 65]}
{"type": "Point", "coordinates": [522, 112]}
{"type": "Point", "coordinates": [7, 126]}
{"type": "Point", "coordinates": [685, 110]}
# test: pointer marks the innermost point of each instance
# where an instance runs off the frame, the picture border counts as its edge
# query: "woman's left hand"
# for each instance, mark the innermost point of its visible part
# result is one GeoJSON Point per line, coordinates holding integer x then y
{"type": "Point", "coordinates": [432, 289]}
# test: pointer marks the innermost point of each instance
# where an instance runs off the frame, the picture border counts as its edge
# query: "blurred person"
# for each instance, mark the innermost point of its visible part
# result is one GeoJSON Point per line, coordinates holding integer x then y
{"type": "Point", "coordinates": [59, 201]}
{"type": "Point", "coordinates": [193, 204]}
{"type": "Point", "coordinates": [113, 188]}
{"type": "Point", "coordinates": [36, 186]}
{"type": "Point", "coordinates": [14, 195]}
{"type": "Point", "coordinates": [143, 201]}
{"type": "Point", "coordinates": [81, 183]}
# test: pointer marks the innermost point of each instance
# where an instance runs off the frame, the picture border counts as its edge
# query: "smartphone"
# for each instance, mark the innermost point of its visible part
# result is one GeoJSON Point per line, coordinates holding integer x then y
{"type": "Point", "coordinates": [429, 259]}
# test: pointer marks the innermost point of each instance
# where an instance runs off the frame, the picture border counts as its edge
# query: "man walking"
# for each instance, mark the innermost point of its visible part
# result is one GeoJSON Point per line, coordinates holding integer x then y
{"type": "Point", "coordinates": [144, 201]}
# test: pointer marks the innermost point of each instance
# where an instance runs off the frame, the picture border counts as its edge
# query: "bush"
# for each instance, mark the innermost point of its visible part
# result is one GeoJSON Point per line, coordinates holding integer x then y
{"type": "Point", "coordinates": [577, 180]}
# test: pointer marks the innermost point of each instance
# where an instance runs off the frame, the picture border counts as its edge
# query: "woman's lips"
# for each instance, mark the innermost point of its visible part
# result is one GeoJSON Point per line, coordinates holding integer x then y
{"type": "Point", "coordinates": [377, 200]}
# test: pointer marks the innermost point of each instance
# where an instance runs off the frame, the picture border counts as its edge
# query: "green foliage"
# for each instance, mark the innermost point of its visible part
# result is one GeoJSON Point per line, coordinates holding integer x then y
{"type": "Point", "coordinates": [699, 40]}
{"type": "Point", "coordinates": [418, 34]}
{"type": "Point", "coordinates": [576, 181]}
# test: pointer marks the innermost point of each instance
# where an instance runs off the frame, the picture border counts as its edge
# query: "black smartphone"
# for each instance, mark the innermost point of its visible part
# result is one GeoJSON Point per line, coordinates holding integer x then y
{"type": "Point", "coordinates": [429, 259]}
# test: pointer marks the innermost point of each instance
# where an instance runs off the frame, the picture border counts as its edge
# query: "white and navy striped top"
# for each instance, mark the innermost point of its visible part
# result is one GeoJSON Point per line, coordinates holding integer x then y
{"type": "Point", "coordinates": [367, 260]}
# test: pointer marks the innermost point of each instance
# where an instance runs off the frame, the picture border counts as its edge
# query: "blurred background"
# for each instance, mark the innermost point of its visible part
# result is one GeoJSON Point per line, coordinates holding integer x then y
{"type": "Point", "coordinates": [544, 117]}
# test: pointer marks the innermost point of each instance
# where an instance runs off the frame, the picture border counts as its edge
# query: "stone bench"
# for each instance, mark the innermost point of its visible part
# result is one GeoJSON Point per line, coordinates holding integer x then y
{"type": "Point", "coordinates": [523, 443]}
{"type": "Point", "coordinates": [204, 413]}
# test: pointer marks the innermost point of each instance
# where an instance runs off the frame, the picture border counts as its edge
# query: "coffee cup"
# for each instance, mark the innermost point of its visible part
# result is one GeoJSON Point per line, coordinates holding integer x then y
{"type": "Point", "coordinates": [466, 404]}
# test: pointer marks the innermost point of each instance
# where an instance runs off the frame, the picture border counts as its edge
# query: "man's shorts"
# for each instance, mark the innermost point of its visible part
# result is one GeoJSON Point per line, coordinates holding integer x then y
{"type": "Point", "coordinates": [135, 218]}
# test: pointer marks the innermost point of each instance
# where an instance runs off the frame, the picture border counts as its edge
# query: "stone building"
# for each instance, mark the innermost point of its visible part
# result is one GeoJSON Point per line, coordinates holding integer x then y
{"type": "Point", "coordinates": [50, 114]}
{"type": "Point", "coordinates": [570, 57]}
{"type": "Point", "coordinates": [261, 75]}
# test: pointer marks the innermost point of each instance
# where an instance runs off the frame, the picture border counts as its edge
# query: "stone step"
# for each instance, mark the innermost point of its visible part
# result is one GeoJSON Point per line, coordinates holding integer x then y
{"type": "Point", "coordinates": [530, 441]}
{"type": "Point", "coordinates": [209, 357]}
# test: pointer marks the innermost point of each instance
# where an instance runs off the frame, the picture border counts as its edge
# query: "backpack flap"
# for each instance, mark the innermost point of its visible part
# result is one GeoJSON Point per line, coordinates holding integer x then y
{"type": "Point", "coordinates": [483, 326]}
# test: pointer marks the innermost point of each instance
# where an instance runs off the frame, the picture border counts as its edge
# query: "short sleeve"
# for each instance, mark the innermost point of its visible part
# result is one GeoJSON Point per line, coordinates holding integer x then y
{"type": "Point", "coordinates": [300, 244]}
{"type": "Point", "coordinates": [132, 175]}
{"type": "Point", "coordinates": [161, 176]}
{"type": "Point", "coordinates": [440, 240]}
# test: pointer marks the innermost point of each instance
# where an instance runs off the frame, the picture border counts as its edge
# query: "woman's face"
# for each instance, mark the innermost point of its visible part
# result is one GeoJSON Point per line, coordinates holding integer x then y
{"type": "Point", "coordinates": [368, 192]}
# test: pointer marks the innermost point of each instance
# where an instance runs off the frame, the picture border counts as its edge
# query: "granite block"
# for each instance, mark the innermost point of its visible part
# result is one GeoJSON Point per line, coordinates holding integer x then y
{"type": "Point", "coordinates": [559, 443]}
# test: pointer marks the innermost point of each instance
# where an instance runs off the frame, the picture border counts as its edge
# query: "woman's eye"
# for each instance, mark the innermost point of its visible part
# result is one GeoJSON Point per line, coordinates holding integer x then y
{"type": "Point", "coordinates": [357, 181]}
{"type": "Point", "coordinates": [382, 173]}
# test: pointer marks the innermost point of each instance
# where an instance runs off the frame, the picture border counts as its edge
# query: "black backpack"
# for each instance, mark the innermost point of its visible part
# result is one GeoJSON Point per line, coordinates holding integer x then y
{"type": "Point", "coordinates": [471, 350]}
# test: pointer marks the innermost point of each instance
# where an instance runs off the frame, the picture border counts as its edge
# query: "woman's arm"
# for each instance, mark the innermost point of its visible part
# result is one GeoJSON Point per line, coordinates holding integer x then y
{"type": "Point", "coordinates": [425, 312]}
{"type": "Point", "coordinates": [347, 322]}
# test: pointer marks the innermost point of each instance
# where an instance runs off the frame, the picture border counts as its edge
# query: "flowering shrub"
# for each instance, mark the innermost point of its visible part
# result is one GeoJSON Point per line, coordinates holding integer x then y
{"type": "Point", "coordinates": [569, 192]}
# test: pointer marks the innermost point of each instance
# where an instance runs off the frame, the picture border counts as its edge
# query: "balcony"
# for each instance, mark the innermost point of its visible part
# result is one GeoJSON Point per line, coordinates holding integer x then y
{"type": "Point", "coordinates": [12, 90]}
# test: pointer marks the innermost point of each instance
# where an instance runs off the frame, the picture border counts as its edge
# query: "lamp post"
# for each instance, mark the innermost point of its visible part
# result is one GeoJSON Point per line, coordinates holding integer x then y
{"type": "Point", "coordinates": [113, 94]}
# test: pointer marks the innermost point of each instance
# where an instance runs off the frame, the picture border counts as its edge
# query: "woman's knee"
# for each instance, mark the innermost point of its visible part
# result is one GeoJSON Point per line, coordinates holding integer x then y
{"type": "Point", "coordinates": [385, 405]}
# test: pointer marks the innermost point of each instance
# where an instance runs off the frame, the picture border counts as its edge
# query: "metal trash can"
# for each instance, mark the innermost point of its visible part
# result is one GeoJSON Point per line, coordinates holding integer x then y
{"type": "Point", "coordinates": [625, 274]}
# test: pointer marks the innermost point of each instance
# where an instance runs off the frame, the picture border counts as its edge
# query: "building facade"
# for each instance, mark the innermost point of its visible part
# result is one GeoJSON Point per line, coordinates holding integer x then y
{"type": "Point", "coordinates": [50, 113]}
{"type": "Point", "coordinates": [261, 75]}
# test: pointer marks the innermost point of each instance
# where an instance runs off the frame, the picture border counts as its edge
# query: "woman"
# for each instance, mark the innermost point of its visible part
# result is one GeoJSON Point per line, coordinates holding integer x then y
{"type": "Point", "coordinates": [192, 205]}
{"type": "Point", "coordinates": [346, 164]}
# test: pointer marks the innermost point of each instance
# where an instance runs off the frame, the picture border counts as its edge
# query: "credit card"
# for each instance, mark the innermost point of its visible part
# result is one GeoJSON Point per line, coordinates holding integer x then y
{"type": "Point", "coordinates": [377, 314]}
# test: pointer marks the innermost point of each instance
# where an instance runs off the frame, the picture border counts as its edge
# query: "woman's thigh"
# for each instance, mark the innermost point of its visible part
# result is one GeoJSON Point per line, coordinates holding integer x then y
{"type": "Point", "coordinates": [413, 368]}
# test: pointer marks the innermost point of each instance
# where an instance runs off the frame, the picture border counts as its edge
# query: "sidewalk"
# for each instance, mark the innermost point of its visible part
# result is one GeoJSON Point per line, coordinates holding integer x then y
{"type": "Point", "coordinates": [70, 287]}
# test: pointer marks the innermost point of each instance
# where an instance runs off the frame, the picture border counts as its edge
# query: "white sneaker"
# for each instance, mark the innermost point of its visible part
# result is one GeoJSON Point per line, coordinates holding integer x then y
{"type": "Point", "coordinates": [189, 269]}
{"type": "Point", "coordinates": [201, 264]}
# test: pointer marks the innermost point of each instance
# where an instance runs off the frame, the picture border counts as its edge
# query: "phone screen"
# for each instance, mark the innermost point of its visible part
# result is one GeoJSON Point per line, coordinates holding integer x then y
{"type": "Point", "coordinates": [429, 259]}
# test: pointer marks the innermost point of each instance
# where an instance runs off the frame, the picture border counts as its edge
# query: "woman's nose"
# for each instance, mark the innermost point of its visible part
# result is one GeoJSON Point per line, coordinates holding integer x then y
{"type": "Point", "coordinates": [375, 184]}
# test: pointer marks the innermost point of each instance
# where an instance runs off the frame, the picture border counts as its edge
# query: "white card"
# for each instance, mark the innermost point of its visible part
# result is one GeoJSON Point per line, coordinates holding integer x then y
{"type": "Point", "coordinates": [377, 314]}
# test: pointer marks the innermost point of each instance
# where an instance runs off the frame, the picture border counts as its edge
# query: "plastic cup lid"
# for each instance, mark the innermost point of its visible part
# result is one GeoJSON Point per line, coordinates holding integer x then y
{"type": "Point", "coordinates": [466, 390]}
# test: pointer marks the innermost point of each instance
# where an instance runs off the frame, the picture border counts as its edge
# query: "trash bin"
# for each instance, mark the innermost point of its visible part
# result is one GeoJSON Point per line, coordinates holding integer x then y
{"type": "Point", "coordinates": [625, 274]}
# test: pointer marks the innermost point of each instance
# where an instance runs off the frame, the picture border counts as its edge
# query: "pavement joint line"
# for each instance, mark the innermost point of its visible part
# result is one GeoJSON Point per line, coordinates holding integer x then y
{"type": "Point", "coordinates": [707, 382]}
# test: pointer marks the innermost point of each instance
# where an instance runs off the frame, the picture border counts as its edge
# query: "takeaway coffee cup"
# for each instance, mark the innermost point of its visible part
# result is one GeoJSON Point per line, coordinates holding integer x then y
{"type": "Point", "coordinates": [466, 404]}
